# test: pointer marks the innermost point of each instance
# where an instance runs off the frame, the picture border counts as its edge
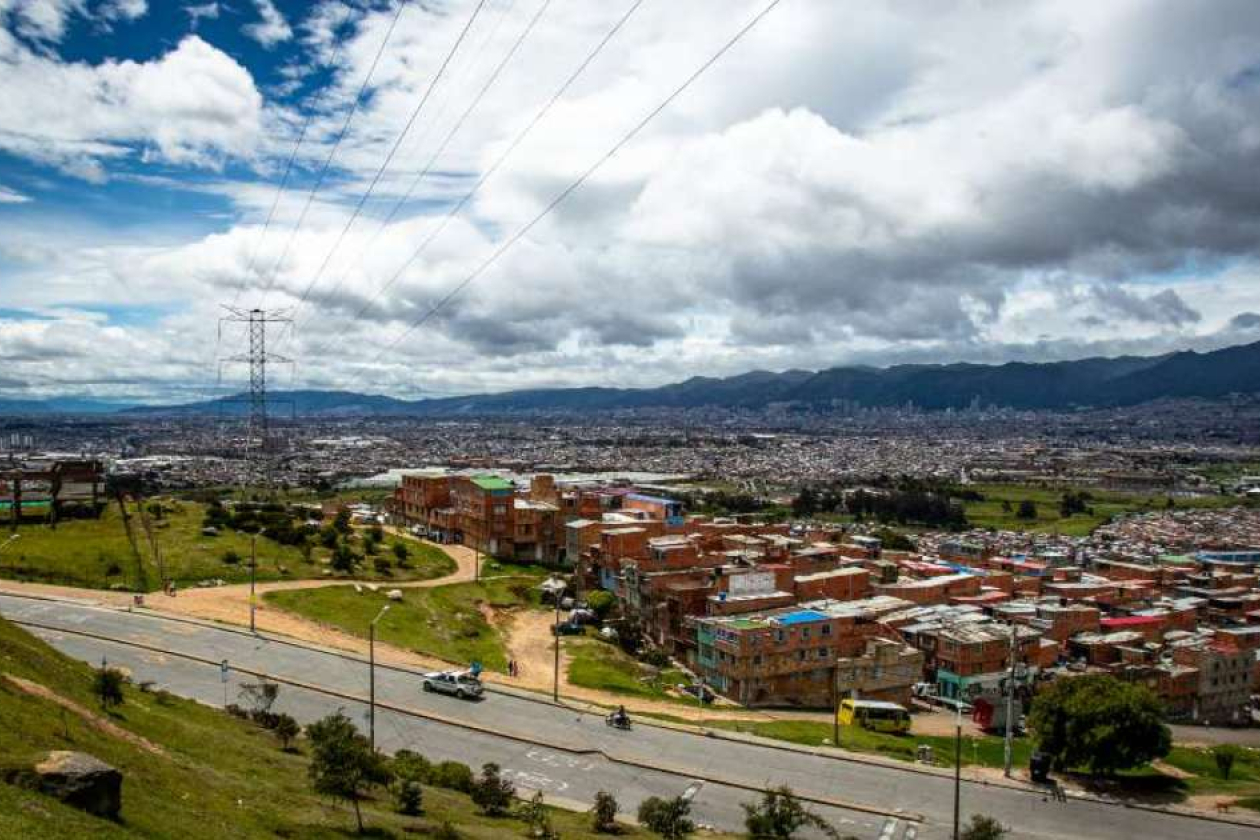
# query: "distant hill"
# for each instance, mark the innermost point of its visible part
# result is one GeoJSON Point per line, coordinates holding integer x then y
{"type": "Point", "coordinates": [1095, 382]}
{"type": "Point", "coordinates": [63, 405]}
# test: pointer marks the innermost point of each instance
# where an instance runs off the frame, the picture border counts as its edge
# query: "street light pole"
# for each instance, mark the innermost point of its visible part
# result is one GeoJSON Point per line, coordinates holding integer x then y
{"type": "Point", "coordinates": [957, 764]}
{"type": "Point", "coordinates": [372, 677]}
{"type": "Point", "coordinates": [555, 680]}
{"type": "Point", "coordinates": [1010, 702]}
{"type": "Point", "coordinates": [253, 571]}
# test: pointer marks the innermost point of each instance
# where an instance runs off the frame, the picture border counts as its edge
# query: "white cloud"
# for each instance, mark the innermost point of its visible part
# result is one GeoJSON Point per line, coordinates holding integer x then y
{"type": "Point", "coordinates": [272, 28]}
{"type": "Point", "coordinates": [874, 183]}
{"type": "Point", "coordinates": [123, 9]}
{"type": "Point", "coordinates": [201, 11]}
{"type": "Point", "coordinates": [8, 196]}
{"type": "Point", "coordinates": [194, 105]}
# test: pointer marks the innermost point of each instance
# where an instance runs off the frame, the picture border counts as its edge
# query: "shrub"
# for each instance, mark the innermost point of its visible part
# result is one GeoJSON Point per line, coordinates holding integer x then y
{"type": "Point", "coordinates": [286, 729]}
{"type": "Point", "coordinates": [409, 796]}
{"type": "Point", "coordinates": [107, 685]}
{"type": "Point", "coordinates": [537, 820]}
{"type": "Point", "coordinates": [1225, 755]}
{"type": "Point", "coordinates": [411, 766]}
{"type": "Point", "coordinates": [401, 553]}
{"type": "Point", "coordinates": [236, 711]}
{"type": "Point", "coordinates": [453, 775]}
{"type": "Point", "coordinates": [601, 603]}
{"type": "Point", "coordinates": [780, 815]}
{"type": "Point", "coordinates": [491, 792]}
{"type": "Point", "coordinates": [446, 831]}
{"type": "Point", "coordinates": [655, 657]}
{"type": "Point", "coordinates": [983, 828]}
{"type": "Point", "coordinates": [604, 814]}
{"type": "Point", "coordinates": [667, 817]}
{"type": "Point", "coordinates": [231, 558]}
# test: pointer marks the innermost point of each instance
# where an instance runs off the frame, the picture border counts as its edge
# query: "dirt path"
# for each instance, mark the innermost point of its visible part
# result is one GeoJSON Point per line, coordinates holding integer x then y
{"type": "Point", "coordinates": [91, 718]}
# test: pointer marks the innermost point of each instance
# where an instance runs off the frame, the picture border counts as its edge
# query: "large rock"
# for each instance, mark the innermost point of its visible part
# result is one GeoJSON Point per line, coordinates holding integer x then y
{"type": "Point", "coordinates": [81, 780]}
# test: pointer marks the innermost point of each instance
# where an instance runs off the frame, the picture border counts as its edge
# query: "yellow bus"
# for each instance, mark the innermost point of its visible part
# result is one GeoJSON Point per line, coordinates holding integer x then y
{"type": "Point", "coordinates": [875, 715]}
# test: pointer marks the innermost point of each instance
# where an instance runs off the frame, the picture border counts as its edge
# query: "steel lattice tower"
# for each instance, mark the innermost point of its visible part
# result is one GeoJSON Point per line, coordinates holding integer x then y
{"type": "Point", "coordinates": [258, 440]}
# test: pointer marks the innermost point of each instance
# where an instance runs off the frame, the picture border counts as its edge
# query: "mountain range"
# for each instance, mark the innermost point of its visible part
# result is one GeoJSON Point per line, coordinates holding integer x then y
{"type": "Point", "coordinates": [1094, 382]}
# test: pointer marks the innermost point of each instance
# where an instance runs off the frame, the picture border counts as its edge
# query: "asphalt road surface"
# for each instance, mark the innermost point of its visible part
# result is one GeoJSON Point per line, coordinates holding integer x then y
{"type": "Point", "coordinates": [572, 755]}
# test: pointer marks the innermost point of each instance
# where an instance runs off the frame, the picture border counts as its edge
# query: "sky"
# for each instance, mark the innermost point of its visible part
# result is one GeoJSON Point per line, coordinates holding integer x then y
{"type": "Point", "coordinates": [850, 183]}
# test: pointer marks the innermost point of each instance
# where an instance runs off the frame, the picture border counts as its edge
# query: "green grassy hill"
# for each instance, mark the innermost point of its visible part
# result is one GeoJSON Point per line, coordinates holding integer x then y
{"type": "Point", "coordinates": [215, 777]}
{"type": "Point", "coordinates": [96, 553]}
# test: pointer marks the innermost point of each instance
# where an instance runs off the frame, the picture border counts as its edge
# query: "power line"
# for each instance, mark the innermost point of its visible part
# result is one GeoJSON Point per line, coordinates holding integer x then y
{"type": "Point", "coordinates": [581, 179]}
{"type": "Point", "coordinates": [380, 172]}
{"type": "Point", "coordinates": [511, 147]}
{"type": "Point", "coordinates": [459, 123]}
{"type": "Point", "coordinates": [323, 172]}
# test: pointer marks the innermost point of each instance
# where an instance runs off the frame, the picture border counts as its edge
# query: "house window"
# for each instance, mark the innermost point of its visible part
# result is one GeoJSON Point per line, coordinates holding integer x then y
{"type": "Point", "coordinates": [826, 631]}
{"type": "Point", "coordinates": [779, 636]}
{"type": "Point", "coordinates": [800, 655]}
{"type": "Point", "coordinates": [804, 632]}
{"type": "Point", "coordinates": [757, 659]}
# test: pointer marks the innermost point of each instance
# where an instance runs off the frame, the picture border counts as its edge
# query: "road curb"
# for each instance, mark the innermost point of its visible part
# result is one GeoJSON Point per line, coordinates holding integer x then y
{"type": "Point", "coordinates": [484, 730]}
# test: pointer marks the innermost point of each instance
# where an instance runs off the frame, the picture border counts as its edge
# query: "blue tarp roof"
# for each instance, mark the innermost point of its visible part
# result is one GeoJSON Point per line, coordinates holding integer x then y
{"type": "Point", "coordinates": [801, 617]}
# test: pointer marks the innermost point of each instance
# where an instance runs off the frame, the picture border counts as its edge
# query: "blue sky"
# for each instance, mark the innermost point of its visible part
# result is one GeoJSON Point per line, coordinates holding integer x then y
{"type": "Point", "coordinates": [872, 183]}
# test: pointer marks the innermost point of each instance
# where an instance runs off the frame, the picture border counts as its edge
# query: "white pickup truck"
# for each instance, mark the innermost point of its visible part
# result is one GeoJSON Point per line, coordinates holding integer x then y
{"type": "Point", "coordinates": [461, 684]}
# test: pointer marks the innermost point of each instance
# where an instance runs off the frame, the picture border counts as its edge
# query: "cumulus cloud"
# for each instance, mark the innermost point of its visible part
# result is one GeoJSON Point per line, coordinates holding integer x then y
{"type": "Point", "coordinates": [194, 105]}
{"type": "Point", "coordinates": [123, 9]}
{"type": "Point", "coordinates": [272, 28]}
{"type": "Point", "coordinates": [890, 182]}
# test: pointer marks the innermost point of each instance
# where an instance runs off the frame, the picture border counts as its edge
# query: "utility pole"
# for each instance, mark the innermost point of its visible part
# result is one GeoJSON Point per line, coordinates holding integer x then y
{"type": "Point", "coordinates": [957, 766]}
{"type": "Point", "coordinates": [835, 705]}
{"type": "Point", "coordinates": [253, 571]}
{"type": "Point", "coordinates": [1010, 700]}
{"type": "Point", "coordinates": [258, 439]}
{"type": "Point", "coordinates": [372, 677]}
{"type": "Point", "coordinates": [555, 679]}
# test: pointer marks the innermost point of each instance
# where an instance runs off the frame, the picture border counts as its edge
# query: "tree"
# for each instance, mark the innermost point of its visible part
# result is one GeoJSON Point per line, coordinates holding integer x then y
{"type": "Point", "coordinates": [806, 504]}
{"type": "Point", "coordinates": [1099, 723]}
{"type": "Point", "coordinates": [669, 818]}
{"type": "Point", "coordinates": [983, 828]}
{"type": "Point", "coordinates": [1027, 510]}
{"type": "Point", "coordinates": [107, 685]}
{"type": "Point", "coordinates": [1225, 755]}
{"type": "Point", "coordinates": [601, 603]}
{"type": "Point", "coordinates": [376, 533]}
{"type": "Point", "coordinates": [328, 536]}
{"type": "Point", "coordinates": [286, 730]}
{"type": "Point", "coordinates": [604, 814]}
{"type": "Point", "coordinates": [231, 558]}
{"type": "Point", "coordinates": [343, 765]}
{"type": "Point", "coordinates": [538, 821]}
{"type": "Point", "coordinates": [343, 559]}
{"type": "Point", "coordinates": [342, 521]}
{"type": "Point", "coordinates": [491, 792]}
{"type": "Point", "coordinates": [401, 553]}
{"type": "Point", "coordinates": [409, 796]}
{"type": "Point", "coordinates": [780, 815]}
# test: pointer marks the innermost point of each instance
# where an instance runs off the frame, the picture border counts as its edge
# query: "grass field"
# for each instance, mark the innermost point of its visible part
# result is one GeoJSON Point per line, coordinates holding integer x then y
{"type": "Point", "coordinates": [602, 666]}
{"type": "Point", "coordinates": [96, 553]}
{"type": "Point", "coordinates": [991, 513]}
{"type": "Point", "coordinates": [219, 779]}
{"type": "Point", "coordinates": [446, 621]}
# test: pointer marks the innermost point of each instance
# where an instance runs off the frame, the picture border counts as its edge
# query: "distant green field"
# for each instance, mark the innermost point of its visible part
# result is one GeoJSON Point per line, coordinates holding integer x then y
{"type": "Point", "coordinates": [991, 513]}
{"type": "Point", "coordinates": [446, 621]}
{"type": "Point", "coordinates": [96, 553]}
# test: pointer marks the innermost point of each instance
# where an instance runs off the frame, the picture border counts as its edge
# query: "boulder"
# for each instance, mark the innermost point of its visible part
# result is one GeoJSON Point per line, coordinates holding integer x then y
{"type": "Point", "coordinates": [80, 780]}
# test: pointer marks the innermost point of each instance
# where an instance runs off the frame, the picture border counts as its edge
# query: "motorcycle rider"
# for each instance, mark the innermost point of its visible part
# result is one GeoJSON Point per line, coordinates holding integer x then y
{"type": "Point", "coordinates": [620, 718]}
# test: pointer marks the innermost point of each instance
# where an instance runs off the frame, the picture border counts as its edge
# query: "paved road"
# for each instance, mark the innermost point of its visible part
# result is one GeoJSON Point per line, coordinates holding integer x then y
{"type": "Point", "coordinates": [581, 755]}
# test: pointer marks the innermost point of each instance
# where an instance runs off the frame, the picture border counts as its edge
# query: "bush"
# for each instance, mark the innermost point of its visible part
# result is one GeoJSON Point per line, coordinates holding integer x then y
{"type": "Point", "coordinates": [604, 814]}
{"type": "Point", "coordinates": [537, 820]}
{"type": "Point", "coordinates": [286, 729]}
{"type": "Point", "coordinates": [231, 558]}
{"type": "Point", "coordinates": [446, 831]}
{"type": "Point", "coordinates": [382, 565]}
{"type": "Point", "coordinates": [413, 767]}
{"type": "Point", "coordinates": [343, 559]}
{"type": "Point", "coordinates": [655, 657]}
{"type": "Point", "coordinates": [780, 815]}
{"type": "Point", "coordinates": [1225, 755]}
{"type": "Point", "coordinates": [983, 828]}
{"type": "Point", "coordinates": [601, 603]}
{"type": "Point", "coordinates": [107, 685]}
{"type": "Point", "coordinates": [667, 817]}
{"type": "Point", "coordinates": [400, 553]}
{"type": "Point", "coordinates": [236, 711]}
{"type": "Point", "coordinates": [453, 775]}
{"type": "Point", "coordinates": [491, 792]}
{"type": "Point", "coordinates": [409, 796]}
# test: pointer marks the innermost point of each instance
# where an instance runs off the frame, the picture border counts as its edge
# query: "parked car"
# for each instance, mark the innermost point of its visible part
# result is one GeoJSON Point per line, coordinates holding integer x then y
{"type": "Point", "coordinates": [460, 684]}
{"type": "Point", "coordinates": [567, 628]}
